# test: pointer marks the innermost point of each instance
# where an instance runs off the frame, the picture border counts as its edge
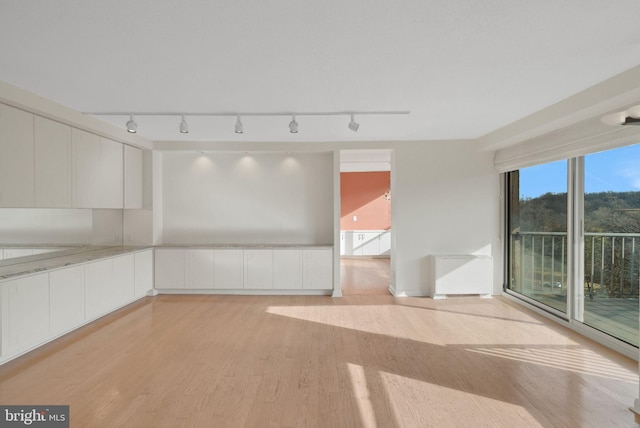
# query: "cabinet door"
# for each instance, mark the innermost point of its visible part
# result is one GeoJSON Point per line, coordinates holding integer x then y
{"type": "Point", "coordinates": [343, 244]}
{"type": "Point", "coordinates": [385, 244]}
{"type": "Point", "coordinates": [199, 268]}
{"type": "Point", "coordinates": [12, 253]}
{"type": "Point", "coordinates": [370, 243]}
{"type": "Point", "coordinates": [258, 268]}
{"type": "Point", "coordinates": [85, 160]}
{"type": "Point", "coordinates": [98, 291]}
{"type": "Point", "coordinates": [16, 158]}
{"type": "Point", "coordinates": [52, 164]}
{"type": "Point", "coordinates": [66, 288]}
{"type": "Point", "coordinates": [318, 269]}
{"type": "Point", "coordinates": [287, 269]}
{"type": "Point", "coordinates": [143, 273]}
{"type": "Point", "coordinates": [111, 174]}
{"type": "Point", "coordinates": [25, 313]}
{"type": "Point", "coordinates": [169, 268]}
{"type": "Point", "coordinates": [123, 283]}
{"type": "Point", "coordinates": [357, 243]}
{"type": "Point", "coordinates": [227, 270]}
{"type": "Point", "coordinates": [132, 178]}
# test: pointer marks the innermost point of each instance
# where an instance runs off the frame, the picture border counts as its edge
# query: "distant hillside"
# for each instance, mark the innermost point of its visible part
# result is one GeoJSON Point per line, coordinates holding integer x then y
{"type": "Point", "coordinates": [613, 212]}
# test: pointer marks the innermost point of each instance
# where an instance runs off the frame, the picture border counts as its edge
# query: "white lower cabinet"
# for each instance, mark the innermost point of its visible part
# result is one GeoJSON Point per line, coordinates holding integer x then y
{"type": "Point", "coordinates": [98, 296]}
{"type": "Point", "coordinates": [318, 269]}
{"type": "Point", "coordinates": [198, 268]}
{"type": "Point", "coordinates": [287, 269]}
{"type": "Point", "coordinates": [123, 279]}
{"type": "Point", "coordinates": [66, 305]}
{"type": "Point", "coordinates": [227, 269]}
{"type": "Point", "coordinates": [248, 269]}
{"type": "Point", "coordinates": [25, 313]}
{"type": "Point", "coordinates": [169, 268]}
{"type": "Point", "coordinates": [143, 282]}
{"type": "Point", "coordinates": [258, 269]}
{"type": "Point", "coordinates": [37, 308]}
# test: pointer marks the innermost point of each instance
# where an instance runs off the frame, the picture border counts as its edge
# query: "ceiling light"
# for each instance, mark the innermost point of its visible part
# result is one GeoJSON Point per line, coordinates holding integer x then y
{"type": "Point", "coordinates": [631, 121]}
{"type": "Point", "coordinates": [239, 126]}
{"type": "Point", "coordinates": [184, 128]}
{"type": "Point", "coordinates": [131, 125]}
{"type": "Point", "coordinates": [293, 125]}
{"type": "Point", "coordinates": [353, 125]}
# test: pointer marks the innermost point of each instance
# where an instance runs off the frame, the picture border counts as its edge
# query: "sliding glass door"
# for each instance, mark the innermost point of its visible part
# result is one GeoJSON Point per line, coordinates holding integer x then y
{"type": "Point", "coordinates": [612, 242]}
{"type": "Point", "coordinates": [538, 234]}
{"type": "Point", "coordinates": [591, 276]}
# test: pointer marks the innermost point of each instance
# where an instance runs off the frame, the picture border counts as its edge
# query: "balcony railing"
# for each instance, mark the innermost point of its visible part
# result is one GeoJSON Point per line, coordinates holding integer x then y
{"type": "Point", "coordinates": [612, 263]}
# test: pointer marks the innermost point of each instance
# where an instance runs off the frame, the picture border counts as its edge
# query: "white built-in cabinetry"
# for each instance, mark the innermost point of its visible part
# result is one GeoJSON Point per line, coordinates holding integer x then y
{"type": "Point", "coordinates": [52, 164]}
{"type": "Point", "coordinates": [365, 243]}
{"type": "Point", "coordinates": [16, 158]}
{"type": "Point", "coordinates": [227, 269]}
{"type": "Point", "coordinates": [37, 308]}
{"type": "Point", "coordinates": [258, 269]}
{"type": "Point", "coordinates": [47, 164]}
{"type": "Point", "coordinates": [132, 178]}
{"type": "Point", "coordinates": [97, 171]}
{"type": "Point", "coordinates": [248, 269]}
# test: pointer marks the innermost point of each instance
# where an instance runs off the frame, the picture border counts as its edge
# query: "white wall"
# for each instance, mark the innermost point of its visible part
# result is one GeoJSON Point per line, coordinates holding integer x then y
{"type": "Point", "coordinates": [445, 200]}
{"type": "Point", "coordinates": [255, 198]}
{"type": "Point", "coordinates": [45, 226]}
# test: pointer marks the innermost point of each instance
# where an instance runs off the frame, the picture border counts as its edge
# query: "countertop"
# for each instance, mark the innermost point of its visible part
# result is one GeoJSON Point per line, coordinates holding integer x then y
{"type": "Point", "coordinates": [12, 268]}
{"type": "Point", "coordinates": [43, 262]}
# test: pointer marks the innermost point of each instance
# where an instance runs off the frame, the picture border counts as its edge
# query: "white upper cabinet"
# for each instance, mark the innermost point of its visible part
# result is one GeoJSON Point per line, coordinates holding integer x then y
{"type": "Point", "coordinates": [97, 171]}
{"type": "Point", "coordinates": [132, 178]}
{"type": "Point", "coordinates": [16, 158]}
{"type": "Point", "coordinates": [52, 164]}
{"type": "Point", "coordinates": [86, 162]}
{"type": "Point", "coordinates": [112, 174]}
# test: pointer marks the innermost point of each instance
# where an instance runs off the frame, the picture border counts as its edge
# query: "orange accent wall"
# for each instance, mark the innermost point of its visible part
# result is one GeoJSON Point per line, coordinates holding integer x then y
{"type": "Point", "coordinates": [362, 195]}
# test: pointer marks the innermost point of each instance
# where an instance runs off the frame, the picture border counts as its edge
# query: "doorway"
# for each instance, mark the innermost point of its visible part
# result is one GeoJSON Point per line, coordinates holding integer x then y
{"type": "Point", "coordinates": [365, 221]}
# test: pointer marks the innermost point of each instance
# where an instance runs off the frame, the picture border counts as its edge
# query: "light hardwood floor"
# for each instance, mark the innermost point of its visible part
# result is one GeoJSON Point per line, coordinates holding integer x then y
{"type": "Point", "coordinates": [372, 360]}
{"type": "Point", "coordinates": [364, 275]}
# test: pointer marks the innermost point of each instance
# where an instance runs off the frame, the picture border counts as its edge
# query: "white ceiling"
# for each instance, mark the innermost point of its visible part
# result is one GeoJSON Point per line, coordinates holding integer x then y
{"type": "Point", "coordinates": [463, 68]}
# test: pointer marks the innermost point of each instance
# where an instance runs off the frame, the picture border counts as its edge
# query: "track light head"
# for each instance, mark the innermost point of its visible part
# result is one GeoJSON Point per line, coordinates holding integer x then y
{"type": "Point", "coordinates": [293, 125]}
{"type": "Point", "coordinates": [131, 125]}
{"type": "Point", "coordinates": [239, 126]}
{"type": "Point", "coordinates": [184, 127]}
{"type": "Point", "coordinates": [353, 125]}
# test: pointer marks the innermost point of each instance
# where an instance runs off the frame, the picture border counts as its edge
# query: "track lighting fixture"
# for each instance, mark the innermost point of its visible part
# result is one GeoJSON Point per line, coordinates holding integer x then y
{"type": "Point", "coordinates": [293, 125]}
{"type": "Point", "coordinates": [184, 128]}
{"type": "Point", "coordinates": [131, 125]}
{"type": "Point", "coordinates": [239, 126]}
{"type": "Point", "coordinates": [628, 117]}
{"type": "Point", "coordinates": [353, 125]}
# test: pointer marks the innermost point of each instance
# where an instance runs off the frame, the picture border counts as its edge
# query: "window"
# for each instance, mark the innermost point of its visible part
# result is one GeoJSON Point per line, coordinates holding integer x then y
{"type": "Point", "coordinates": [538, 234]}
{"type": "Point", "coordinates": [603, 292]}
{"type": "Point", "coordinates": [612, 242]}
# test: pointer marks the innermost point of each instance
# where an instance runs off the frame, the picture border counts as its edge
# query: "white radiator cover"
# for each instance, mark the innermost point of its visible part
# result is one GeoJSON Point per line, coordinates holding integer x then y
{"type": "Point", "coordinates": [460, 274]}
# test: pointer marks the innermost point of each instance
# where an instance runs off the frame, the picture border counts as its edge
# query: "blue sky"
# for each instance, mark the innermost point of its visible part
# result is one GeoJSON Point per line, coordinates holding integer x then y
{"type": "Point", "coordinates": [614, 170]}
